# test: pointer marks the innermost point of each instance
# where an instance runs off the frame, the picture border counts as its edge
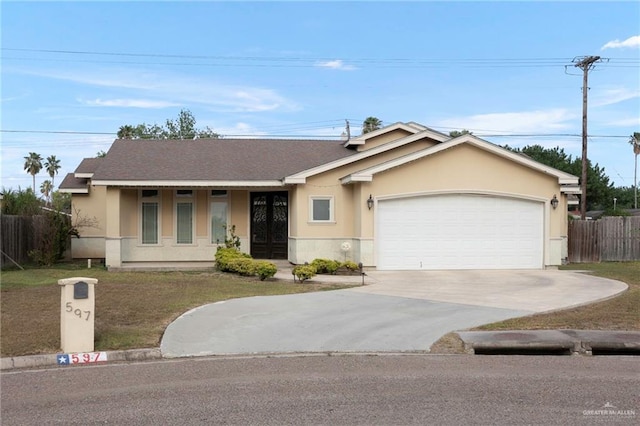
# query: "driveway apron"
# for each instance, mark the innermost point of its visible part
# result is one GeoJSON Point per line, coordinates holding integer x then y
{"type": "Point", "coordinates": [397, 311]}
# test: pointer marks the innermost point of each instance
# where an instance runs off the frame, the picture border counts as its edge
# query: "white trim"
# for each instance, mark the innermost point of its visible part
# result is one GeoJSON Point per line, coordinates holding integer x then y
{"type": "Point", "coordinates": [189, 183]}
{"type": "Point", "coordinates": [360, 140]}
{"type": "Point", "coordinates": [331, 200]}
{"type": "Point", "coordinates": [83, 175]}
{"type": "Point", "coordinates": [300, 178]}
{"type": "Point", "coordinates": [366, 175]}
{"type": "Point", "coordinates": [74, 190]}
{"type": "Point", "coordinates": [570, 189]}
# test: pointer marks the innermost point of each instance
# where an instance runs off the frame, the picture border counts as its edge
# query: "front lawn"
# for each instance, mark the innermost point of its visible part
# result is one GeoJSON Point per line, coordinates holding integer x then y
{"type": "Point", "coordinates": [132, 308]}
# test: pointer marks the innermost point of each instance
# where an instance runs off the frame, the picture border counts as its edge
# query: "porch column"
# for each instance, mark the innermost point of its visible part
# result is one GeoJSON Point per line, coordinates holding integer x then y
{"type": "Point", "coordinates": [113, 240]}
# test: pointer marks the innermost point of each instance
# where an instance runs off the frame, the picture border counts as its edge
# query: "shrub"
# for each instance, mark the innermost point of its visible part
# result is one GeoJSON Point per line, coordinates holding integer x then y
{"type": "Point", "coordinates": [229, 259]}
{"type": "Point", "coordinates": [304, 272]}
{"type": "Point", "coordinates": [242, 265]}
{"type": "Point", "coordinates": [325, 266]}
{"type": "Point", "coordinates": [265, 269]}
{"type": "Point", "coordinates": [225, 255]}
{"type": "Point", "coordinates": [351, 266]}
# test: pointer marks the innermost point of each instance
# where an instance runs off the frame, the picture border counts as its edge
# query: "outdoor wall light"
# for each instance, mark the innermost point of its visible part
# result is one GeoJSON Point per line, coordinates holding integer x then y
{"type": "Point", "coordinates": [554, 202]}
{"type": "Point", "coordinates": [370, 202]}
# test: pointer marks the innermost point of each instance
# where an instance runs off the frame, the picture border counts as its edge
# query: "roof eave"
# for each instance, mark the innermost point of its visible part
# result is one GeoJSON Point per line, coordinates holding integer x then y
{"type": "Point", "coordinates": [189, 183]}
{"type": "Point", "coordinates": [74, 190]}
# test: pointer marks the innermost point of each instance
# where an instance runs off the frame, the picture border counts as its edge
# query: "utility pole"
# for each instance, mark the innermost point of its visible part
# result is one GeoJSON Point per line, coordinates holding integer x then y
{"type": "Point", "coordinates": [585, 63]}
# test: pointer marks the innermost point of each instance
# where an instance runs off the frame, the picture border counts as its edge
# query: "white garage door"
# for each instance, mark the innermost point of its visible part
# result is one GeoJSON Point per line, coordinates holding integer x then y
{"type": "Point", "coordinates": [459, 232]}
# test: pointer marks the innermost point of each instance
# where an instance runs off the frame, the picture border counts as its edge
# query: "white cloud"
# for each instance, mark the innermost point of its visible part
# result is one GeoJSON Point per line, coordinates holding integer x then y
{"type": "Point", "coordinates": [128, 103]}
{"type": "Point", "coordinates": [539, 121]}
{"type": "Point", "coordinates": [335, 65]}
{"type": "Point", "coordinates": [179, 89]}
{"type": "Point", "coordinates": [633, 41]}
{"type": "Point", "coordinates": [614, 95]}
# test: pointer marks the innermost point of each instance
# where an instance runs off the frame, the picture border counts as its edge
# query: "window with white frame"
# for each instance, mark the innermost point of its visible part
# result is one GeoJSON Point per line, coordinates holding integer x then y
{"type": "Point", "coordinates": [321, 209]}
{"type": "Point", "coordinates": [218, 212]}
{"type": "Point", "coordinates": [149, 212]}
{"type": "Point", "coordinates": [184, 216]}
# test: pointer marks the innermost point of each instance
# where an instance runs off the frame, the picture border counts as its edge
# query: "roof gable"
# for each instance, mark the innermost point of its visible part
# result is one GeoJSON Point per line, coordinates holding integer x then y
{"type": "Point", "coordinates": [366, 175]}
{"type": "Point", "coordinates": [410, 127]}
{"type": "Point", "coordinates": [302, 176]}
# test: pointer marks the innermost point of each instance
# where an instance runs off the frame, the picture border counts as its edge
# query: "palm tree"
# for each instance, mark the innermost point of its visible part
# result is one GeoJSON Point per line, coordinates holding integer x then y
{"type": "Point", "coordinates": [370, 124]}
{"type": "Point", "coordinates": [126, 132]}
{"type": "Point", "coordinates": [45, 188]}
{"type": "Point", "coordinates": [52, 165]}
{"type": "Point", "coordinates": [33, 165]}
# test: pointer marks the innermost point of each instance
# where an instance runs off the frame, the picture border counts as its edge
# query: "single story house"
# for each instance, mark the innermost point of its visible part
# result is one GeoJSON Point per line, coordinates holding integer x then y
{"type": "Point", "coordinates": [403, 197]}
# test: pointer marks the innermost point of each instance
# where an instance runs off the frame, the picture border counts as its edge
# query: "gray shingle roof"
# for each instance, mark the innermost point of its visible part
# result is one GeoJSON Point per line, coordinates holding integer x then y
{"type": "Point", "coordinates": [72, 182]}
{"type": "Point", "coordinates": [88, 165]}
{"type": "Point", "coordinates": [215, 159]}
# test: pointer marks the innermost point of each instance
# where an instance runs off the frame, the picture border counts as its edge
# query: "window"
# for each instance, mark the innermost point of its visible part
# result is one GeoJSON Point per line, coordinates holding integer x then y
{"type": "Point", "coordinates": [218, 213]}
{"type": "Point", "coordinates": [321, 209]}
{"type": "Point", "coordinates": [149, 216]}
{"type": "Point", "coordinates": [184, 216]}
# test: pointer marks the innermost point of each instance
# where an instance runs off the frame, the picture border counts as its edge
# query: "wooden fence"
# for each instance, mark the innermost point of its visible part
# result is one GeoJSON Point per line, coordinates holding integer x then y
{"type": "Point", "coordinates": [606, 239]}
{"type": "Point", "coordinates": [18, 237]}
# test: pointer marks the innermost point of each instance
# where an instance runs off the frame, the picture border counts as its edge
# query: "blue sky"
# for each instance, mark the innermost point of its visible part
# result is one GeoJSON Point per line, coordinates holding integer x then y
{"type": "Point", "coordinates": [302, 68]}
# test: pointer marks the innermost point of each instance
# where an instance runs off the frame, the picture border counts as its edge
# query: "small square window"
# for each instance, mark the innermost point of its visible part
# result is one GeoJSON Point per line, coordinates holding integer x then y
{"type": "Point", "coordinates": [321, 209]}
{"type": "Point", "coordinates": [184, 193]}
{"type": "Point", "coordinates": [148, 193]}
{"type": "Point", "coordinates": [218, 193]}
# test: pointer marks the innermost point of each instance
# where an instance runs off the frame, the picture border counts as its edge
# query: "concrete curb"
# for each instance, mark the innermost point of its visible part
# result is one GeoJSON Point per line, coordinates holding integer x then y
{"type": "Point", "coordinates": [560, 342]}
{"type": "Point", "coordinates": [34, 361]}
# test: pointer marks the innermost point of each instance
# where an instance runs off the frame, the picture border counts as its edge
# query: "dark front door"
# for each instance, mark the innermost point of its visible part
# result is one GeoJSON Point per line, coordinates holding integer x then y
{"type": "Point", "coordinates": [269, 225]}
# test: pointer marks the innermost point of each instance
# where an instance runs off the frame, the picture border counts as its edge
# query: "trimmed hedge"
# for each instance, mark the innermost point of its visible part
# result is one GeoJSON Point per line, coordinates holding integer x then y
{"type": "Point", "coordinates": [304, 272]}
{"type": "Point", "coordinates": [325, 266]}
{"type": "Point", "coordinates": [232, 260]}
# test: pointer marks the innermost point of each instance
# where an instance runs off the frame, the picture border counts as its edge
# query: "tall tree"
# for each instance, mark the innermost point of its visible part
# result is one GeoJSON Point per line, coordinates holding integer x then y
{"type": "Point", "coordinates": [456, 133]}
{"type": "Point", "coordinates": [46, 188]}
{"type": "Point", "coordinates": [370, 124]}
{"type": "Point", "coordinates": [33, 165]}
{"type": "Point", "coordinates": [600, 190]}
{"type": "Point", "coordinates": [183, 127]}
{"type": "Point", "coordinates": [52, 165]}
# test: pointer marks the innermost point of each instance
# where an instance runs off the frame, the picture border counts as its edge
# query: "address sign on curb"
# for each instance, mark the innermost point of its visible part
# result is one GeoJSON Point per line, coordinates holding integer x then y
{"type": "Point", "coordinates": [81, 358]}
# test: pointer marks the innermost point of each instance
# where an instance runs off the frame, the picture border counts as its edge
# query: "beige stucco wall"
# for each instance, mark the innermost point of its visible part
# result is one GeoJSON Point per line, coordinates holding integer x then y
{"type": "Point", "coordinates": [345, 203]}
{"type": "Point", "coordinates": [90, 209]}
{"type": "Point", "coordinates": [461, 169]}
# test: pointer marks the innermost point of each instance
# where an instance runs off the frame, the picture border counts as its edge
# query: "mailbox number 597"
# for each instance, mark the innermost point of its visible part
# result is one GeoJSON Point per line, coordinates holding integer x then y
{"type": "Point", "coordinates": [78, 312]}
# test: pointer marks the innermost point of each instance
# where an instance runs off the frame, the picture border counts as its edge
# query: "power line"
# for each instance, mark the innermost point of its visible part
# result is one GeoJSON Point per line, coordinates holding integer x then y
{"type": "Point", "coordinates": [296, 61]}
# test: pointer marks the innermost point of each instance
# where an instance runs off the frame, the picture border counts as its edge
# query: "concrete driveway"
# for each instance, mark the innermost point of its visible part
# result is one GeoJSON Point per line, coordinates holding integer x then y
{"type": "Point", "coordinates": [394, 311]}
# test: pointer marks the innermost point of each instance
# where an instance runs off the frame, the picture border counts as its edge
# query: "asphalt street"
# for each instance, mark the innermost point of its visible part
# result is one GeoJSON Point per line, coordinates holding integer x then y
{"type": "Point", "coordinates": [330, 390]}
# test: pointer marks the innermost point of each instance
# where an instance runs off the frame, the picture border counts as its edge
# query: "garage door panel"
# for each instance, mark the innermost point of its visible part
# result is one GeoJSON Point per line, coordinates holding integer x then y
{"type": "Point", "coordinates": [459, 232]}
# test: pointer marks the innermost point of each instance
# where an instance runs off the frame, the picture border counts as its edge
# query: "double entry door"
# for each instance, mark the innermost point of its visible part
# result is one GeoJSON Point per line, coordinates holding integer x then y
{"type": "Point", "coordinates": [269, 225]}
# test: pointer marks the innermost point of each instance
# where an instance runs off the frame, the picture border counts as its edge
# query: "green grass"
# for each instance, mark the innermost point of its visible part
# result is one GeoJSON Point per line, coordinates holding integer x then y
{"type": "Point", "coordinates": [132, 308]}
{"type": "Point", "coordinates": [619, 313]}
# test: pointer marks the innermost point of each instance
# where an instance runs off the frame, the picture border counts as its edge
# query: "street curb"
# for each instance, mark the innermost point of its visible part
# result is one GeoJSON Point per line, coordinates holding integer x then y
{"type": "Point", "coordinates": [46, 360]}
{"type": "Point", "coordinates": [560, 342]}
